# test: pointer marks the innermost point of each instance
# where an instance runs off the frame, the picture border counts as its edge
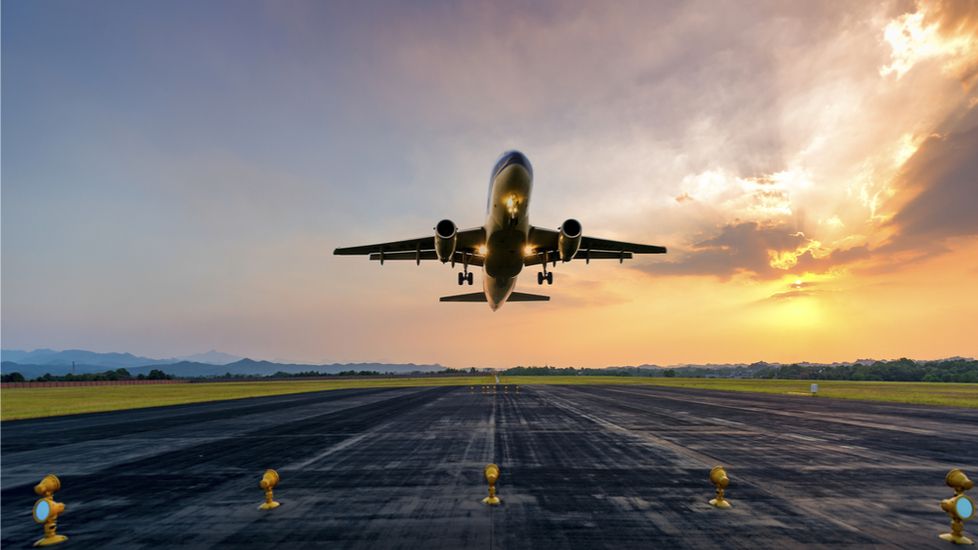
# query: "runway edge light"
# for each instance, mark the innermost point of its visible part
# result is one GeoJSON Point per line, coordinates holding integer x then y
{"type": "Point", "coordinates": [46, 510]}
{"type": "Point", "coordinates": [268, 482]}
{"type": "Point", "coordinates": [492, 474]}
{"type": "Point", "coordinates": [718, 476]}
{"type": "Point", "coordinates": [960, 508]}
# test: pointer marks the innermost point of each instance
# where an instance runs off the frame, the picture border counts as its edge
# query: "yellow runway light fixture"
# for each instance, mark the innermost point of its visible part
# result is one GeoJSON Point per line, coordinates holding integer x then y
{"type": "Point", "coordinates": [960, 507]}
{"type": "Point", "coordinates": [268, 482]}
{"type": "Point", "coordinates": [718, 476]}
{"type": "Point", "coordinates": [492, 475]}
{"type": "Point", "coordinates": [46, 510]}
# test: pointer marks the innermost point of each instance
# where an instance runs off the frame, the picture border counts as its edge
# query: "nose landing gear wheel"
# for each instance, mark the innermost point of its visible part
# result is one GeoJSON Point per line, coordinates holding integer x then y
{"type": "Point", "coordinates": [539, 278]}
{"type": "Point", "coordinates": [550, 278]}
{"type": "Point", "coordinates": [469, 278]}
{"type": "Point", "coordinates": [461, 277]}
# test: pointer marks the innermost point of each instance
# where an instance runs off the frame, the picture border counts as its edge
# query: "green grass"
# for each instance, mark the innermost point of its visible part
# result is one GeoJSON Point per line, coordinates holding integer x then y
{"type": "Point", "coordinates": [923, 393]}
{"type": "Point", "coordinates": [20, 403]}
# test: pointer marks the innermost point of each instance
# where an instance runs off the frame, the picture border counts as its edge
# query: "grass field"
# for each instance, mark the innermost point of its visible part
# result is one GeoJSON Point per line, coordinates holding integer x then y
{"type": "Point", "coordinates": [923, 393]}
{"type": "Point", "coordinates": [20, 403]}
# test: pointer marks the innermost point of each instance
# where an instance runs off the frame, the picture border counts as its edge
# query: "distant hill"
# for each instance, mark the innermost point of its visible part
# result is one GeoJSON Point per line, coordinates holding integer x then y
{"type": "Point", "coordinates": [193, 369]}
{"type": "Point", "coordinates": [84, 359]}
{"type": "Point", "coordinates": [211, 357]}
{"type": "Point", "coordinates": [66, 357]}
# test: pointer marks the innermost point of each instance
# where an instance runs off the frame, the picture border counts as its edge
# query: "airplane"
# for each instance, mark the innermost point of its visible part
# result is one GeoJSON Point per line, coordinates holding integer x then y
{"type": "Point", "coordinates": [506, 243]}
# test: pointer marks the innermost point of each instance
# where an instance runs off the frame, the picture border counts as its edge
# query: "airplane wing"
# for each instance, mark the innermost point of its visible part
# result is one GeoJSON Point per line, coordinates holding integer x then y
{"type": "Point", "coordinates": [422, 248]}
{"type": "Point", "coordinates": [544, 243]}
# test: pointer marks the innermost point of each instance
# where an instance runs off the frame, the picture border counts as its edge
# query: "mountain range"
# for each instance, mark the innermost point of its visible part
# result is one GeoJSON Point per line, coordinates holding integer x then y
{"type": "Point", "coordinates": [112, 360]}
{"type": "Point", "coordinates": [33, 364]}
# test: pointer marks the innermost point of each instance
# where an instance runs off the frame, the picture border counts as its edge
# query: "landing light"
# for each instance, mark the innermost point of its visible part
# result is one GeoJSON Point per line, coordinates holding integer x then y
{"type": "Point", "coordinates": [528, 250]}
{"type": "Point", "coordinates": [491, 472]}
{"type": "Point", "coordinates": [960, 508]}
{"type": "Point", "coordinates": [718, 476]}
{"type": "Point", "coordinates": [46, 510]}
{"type": "Point", "coordinates": [268, 482]}
{"type": "Point", "coordinates": [511, 205]}
{"type": "Point", "coordinates": [482, 249]}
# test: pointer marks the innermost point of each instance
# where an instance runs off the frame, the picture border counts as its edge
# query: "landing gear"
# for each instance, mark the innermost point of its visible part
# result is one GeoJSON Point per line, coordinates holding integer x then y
{"type": "Point", "coordinates": [545, 275]}
{"type": "Point", "coordinates": [465, 276]}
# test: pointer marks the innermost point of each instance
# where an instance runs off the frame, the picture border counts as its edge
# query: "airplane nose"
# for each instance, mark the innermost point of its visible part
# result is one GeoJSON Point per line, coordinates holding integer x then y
{"type": "Point", "coordinates": [511, 158]}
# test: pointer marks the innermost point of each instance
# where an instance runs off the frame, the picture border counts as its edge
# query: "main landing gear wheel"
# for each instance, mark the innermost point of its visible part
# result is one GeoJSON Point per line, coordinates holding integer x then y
{"type": "Point", "coordinates": [469, 277]}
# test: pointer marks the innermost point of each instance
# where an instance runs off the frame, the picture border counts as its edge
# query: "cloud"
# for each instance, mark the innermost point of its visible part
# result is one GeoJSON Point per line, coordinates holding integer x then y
{"type": "Point", "coordinates": [945, 30]}
{"type": "Point", "coordinates": [942, 178]}
{"type": "Point", "coordinates": [760, 250]}
{"type": "Point", "coordinates": [939, 191]}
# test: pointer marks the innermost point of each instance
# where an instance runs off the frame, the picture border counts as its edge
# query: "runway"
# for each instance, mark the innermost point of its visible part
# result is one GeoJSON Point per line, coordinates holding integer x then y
{"type": "Point", "coordinates": [582, 467]}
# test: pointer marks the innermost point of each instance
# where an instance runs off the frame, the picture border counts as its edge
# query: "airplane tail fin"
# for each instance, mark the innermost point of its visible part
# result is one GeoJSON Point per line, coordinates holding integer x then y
{"type": "Point", "coordinates": [481, 297]}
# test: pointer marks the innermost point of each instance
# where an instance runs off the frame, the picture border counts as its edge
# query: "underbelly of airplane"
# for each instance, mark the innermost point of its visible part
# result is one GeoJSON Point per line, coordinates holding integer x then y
{"type": "Point", "coordinates": [504, 257]}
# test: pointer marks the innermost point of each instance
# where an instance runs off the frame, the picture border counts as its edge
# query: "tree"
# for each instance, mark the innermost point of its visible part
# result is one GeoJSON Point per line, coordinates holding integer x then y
{"type": "Point", "coordinates": [669, 373]}
{"type": "Point", "coordinates": [157, 374]}
{"type": "Point", "coordinates": [12, 377]}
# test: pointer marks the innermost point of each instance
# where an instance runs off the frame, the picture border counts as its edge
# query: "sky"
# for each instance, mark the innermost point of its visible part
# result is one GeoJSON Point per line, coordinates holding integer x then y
{"type": "Point", "coordinates": [175, 176]}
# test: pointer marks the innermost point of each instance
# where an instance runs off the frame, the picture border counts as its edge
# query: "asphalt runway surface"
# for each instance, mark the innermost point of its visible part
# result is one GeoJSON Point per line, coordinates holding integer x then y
{"type": "Point", "coordinates": [581, 467]}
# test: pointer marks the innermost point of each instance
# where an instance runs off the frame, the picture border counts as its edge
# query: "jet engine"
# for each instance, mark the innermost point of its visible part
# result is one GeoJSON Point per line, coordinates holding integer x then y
{"type": "Point", "coordinates": [569, 240]}
{"type": "Point", "coordinates": [446, 237]}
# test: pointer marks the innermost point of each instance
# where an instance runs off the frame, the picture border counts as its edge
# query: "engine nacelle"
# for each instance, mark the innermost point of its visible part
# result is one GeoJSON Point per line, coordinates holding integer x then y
{"type": "Point", "coordinates": [569, 240]}
{"type": "Point", "coordinates": [446, 238]}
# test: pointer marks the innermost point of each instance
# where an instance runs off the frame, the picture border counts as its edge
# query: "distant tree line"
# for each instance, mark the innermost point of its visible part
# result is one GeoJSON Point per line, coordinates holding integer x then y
{"type": "Point", "coordinates": [109, 375]}
{"type": "Point", "coordinates": [313, 374]}
{"type": "Point", "coordinates": [562, 371]}
{"type": "Point", "coordinates": [900, 370]}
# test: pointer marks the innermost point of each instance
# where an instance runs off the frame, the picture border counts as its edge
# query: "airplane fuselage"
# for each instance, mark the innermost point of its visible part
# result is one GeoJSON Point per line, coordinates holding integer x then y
{"type": "Point", "coordinates": [507, 226]}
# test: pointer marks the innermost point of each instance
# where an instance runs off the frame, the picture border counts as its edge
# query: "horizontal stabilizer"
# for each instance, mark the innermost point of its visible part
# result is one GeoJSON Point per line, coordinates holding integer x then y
{"type": "Point", "coordinates": [473, 297]}
{"type": "Point", "coordinates": [481, 297]}
{"type": "Point", "coordinates": [524, 297]}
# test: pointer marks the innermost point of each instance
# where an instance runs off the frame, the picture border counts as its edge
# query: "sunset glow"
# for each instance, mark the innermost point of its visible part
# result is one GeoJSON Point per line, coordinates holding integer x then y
{"type": "Point", "coordinates": [177, 185]}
